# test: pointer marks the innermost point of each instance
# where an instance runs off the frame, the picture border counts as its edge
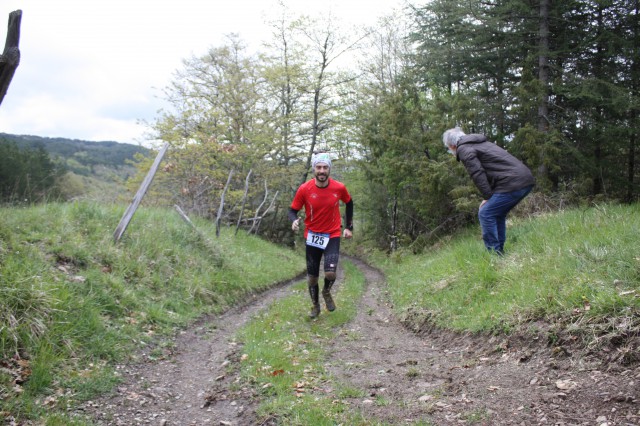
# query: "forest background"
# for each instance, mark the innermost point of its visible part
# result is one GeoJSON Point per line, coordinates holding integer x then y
{"type": "Point", "coordinates": [555, 83]}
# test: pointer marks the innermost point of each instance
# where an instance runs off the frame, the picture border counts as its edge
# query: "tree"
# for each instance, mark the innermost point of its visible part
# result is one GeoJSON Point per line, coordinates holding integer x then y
{"type": "Point", "coordinates": [631, 48]}
{"type": "Point", "coordinates": [403, 190]}
{"type": "Point", "coordinates": [327, 44]}
{"type": "Point", "coordinates": [550, 81]}
{"type": "Point", "coordinates": [284, 90]}
{"type": "Point", "coordinates": [213, 127]}
{"type": "Point", "coordinates": [27, 175]}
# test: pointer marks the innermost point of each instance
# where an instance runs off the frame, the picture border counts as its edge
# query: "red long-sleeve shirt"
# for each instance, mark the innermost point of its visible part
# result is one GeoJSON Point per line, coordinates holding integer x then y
{"type": "Point", "coordinates": [322, 206]}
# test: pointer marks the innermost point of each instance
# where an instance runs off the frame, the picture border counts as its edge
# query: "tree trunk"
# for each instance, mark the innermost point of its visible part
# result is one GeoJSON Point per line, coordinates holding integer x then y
{"type": "Point", "coordinates": [244, 200]}
{"type": "Point", "coordinates": [394, 225]}
{"type": "Point", "coordinates": [543, 77]}
{"type": "Point", "coordinates": [633, 113]}
{"type": "Point", "coordinates": [221, 207]}
{"type": "Point", "coordinates": [599, 73]}
{"type": "Point", "coordinates": [315, 130]}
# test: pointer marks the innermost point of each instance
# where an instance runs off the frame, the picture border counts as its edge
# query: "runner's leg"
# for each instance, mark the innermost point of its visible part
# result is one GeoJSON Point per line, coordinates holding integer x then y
{"type": "Point", "coordinates": [331, 257]}
{"type": "Point", "coordinates": [314, 255]}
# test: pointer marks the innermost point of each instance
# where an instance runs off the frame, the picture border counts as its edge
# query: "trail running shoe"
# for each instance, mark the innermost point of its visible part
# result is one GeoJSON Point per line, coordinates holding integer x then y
{"type": "Point", "coordinates": [328, 300]}
{"type": "Point", "coordinates": [315, 311]}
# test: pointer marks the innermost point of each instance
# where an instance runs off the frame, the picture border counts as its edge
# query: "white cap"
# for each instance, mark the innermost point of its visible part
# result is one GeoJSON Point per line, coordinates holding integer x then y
{"type": "Point", "coordinates": [321, 158]}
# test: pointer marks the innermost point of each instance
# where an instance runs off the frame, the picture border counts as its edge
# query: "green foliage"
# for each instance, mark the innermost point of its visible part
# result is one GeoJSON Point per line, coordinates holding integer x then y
{"type": "Point", "coordinates": [28, 175]}
{"type": "Point", "coordinates": [407, 187]}
{"type": "Point", "coordinates": [237, 112]}
{"type": "Point", "coordinates": [73, 303]}
{"type": "Point", "coordinates": [547, 149]}
{"type": "Point", "coordinates": [477, 66]}
{"type": "Point", "coordinates": [486, 58]}
{"type": "Point", "coordinates": [217, 133]}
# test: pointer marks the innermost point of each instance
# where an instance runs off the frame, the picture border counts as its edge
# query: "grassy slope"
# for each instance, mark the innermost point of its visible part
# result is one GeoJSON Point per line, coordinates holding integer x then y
{"type": "Point", "coordinates": [580, 265]}
{"type": "Point", "coordinates": [579, 268]}
{"type": "Point", "coordinates": [73, 303]}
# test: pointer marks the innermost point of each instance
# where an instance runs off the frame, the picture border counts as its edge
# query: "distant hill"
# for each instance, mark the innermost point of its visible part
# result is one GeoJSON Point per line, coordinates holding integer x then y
{"type": "Point", "coordinates": [80, 157]}
{"type": "Point", "coordinates": [95, 170]}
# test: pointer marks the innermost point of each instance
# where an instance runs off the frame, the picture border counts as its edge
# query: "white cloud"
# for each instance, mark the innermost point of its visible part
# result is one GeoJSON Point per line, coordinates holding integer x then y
{"type": "Point", "coordinates": [91, 69]}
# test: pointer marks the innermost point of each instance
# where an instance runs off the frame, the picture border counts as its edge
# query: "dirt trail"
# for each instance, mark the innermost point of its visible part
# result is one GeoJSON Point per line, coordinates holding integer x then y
{"type": "Point", "coordinates": [452, 379]}
{"type": "Point", "coordinates": [194, 384]}
{"type": "Point", "coordinates": [436, 377]}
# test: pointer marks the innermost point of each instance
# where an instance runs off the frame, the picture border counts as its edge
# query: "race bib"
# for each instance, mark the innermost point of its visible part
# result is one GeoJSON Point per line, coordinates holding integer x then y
{"type": "Point", "coordinates": [317, 240]}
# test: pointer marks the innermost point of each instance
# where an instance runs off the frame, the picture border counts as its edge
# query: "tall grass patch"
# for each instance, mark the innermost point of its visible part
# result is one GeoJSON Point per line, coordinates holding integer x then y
{"type": "Point", "coordinates": [582, 262]}
{"type": "Point", "coordinates": [73, 302]}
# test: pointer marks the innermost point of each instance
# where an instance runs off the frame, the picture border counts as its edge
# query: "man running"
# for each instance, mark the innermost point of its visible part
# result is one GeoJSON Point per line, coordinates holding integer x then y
{"type": "Point", "coordinates": [321, 198]}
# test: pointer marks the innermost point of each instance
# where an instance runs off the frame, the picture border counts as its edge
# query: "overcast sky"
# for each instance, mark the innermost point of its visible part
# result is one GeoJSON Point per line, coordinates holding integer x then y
{"type": "Point", "coordinates": [92, 69]}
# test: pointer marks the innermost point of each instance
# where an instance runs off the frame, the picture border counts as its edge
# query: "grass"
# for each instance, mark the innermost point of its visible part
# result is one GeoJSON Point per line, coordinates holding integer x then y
{"type": "Point", "coordinates": [284, 356]}
{"type": "Point", "coordinates": [580, 264]}
{"type": "Point", "coordinates": [73, 303]}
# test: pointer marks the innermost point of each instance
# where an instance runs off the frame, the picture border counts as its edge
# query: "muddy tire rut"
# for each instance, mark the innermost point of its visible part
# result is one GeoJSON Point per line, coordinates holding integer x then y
{"type": "Point", "coordinates": [399, 377]}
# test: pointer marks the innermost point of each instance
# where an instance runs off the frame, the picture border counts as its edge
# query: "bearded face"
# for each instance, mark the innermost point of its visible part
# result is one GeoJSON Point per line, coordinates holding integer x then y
{"type": "Point", "coordinates": [321, 172]}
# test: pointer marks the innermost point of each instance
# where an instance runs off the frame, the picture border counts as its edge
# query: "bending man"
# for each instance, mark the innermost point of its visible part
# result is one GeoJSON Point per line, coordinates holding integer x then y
{"type": "Point", "coordinates": [502, 179]}
{"type": "Point", "coordinates": [321, 198]}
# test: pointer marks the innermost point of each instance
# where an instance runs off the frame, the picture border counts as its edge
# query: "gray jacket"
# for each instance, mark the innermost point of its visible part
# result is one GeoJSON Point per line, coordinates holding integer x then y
{"type": "Point", "coordinates": [492, 169]}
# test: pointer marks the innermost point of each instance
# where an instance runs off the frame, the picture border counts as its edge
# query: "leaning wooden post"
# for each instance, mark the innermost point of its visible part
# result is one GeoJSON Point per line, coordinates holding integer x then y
{"type": "Point", "coordinates": [244, 200]}
{"type": "Point", "coordinates": [128, 214]}
{"type": "Point", "coordinates": [222, 204]}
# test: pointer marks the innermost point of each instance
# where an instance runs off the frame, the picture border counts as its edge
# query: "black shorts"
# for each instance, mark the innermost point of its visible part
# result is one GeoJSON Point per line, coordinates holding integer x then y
{"type": "Point", "coordinates": [331, 255]}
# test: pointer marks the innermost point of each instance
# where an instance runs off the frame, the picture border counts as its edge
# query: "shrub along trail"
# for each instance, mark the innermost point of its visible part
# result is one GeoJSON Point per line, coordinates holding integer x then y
{"type": "Point", "coordinates": [397, 376]}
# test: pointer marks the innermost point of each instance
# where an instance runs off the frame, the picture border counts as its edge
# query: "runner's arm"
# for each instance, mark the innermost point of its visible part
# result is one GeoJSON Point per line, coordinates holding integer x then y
{"type": "Point", "coordinates": [293, 217]}
{"type": "Point", "coordinates": [349, 215]}
{"type": "Point", "coordinates": [293, 214]}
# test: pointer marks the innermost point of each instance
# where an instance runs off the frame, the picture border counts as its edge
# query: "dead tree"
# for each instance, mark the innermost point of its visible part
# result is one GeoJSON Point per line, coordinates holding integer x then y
{"type": "Point", "coordinates": [244, 200]}
{"type": "Point", "coordinates": [221, 207]}
{"type": "Point", "coordinates": [10, 58]}
{"type": "Point", "coordinates": [268, 210]}
{"type": "Point", "coordinates": [256, 218]}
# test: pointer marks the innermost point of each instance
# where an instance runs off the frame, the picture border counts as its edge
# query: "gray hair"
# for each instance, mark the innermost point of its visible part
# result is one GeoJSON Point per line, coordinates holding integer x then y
{"type": "Point", "coordinates": [451, 137]}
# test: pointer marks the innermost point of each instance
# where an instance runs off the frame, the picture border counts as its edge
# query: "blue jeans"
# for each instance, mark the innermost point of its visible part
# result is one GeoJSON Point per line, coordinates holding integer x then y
{"type": "Point", "coordinates": [493, 217]}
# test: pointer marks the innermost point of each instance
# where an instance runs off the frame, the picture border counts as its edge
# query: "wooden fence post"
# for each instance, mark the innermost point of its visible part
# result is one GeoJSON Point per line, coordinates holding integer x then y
{"type": "Point", "coordinates": [128, 214]}
{"type": "Point", "coordinates": [255, 219]}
